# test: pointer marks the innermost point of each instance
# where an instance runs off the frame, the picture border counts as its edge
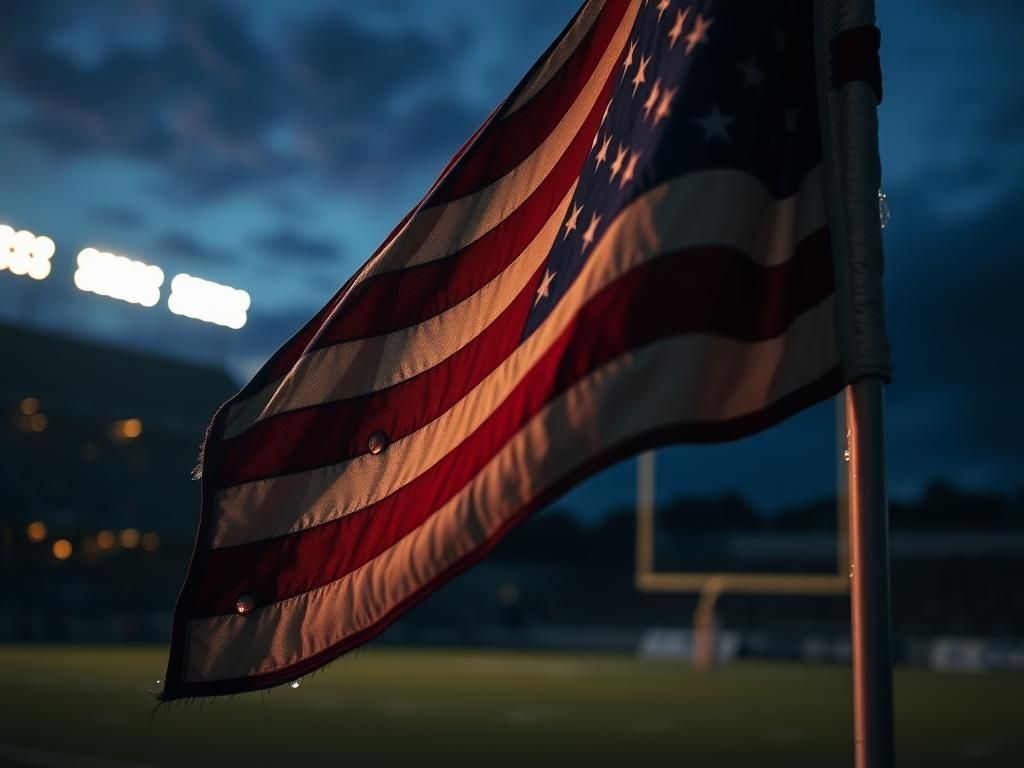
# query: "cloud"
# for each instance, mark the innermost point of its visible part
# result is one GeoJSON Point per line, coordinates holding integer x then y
{"type": "Point", "coordinates": [121, 216]}
{"type": "Point", "coordinates": [372, 106]}
{"type": "Point", "coordinates": [194, 104]}
{"type": "Point", "coordinates": [290, 245]}
{"type": "Point", "coordinates": [221, 111]}
{"type": "Point", "coordinates": [953, 298]}
{"type": "Point", "coordinates": [185, 245]}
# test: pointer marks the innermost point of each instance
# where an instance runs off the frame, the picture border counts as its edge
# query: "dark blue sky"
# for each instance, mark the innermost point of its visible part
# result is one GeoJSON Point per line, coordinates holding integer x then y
{"type": "Point", "coordinates": [271, 146]}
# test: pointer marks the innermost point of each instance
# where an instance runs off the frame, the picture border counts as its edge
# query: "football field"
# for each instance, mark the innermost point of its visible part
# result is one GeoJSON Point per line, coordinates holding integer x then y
{"type": "Point", "coordinates": [88, 707]}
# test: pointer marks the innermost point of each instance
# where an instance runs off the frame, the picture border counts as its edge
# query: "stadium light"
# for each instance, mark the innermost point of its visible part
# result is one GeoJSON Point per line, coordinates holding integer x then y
{"type": "Point", "coordinates": [105, 539]}
{"type": "Point", "coordinates": [208, 301]}
{"type": "Point", "coordinates": [25, 253]}
{"type": "Point", "coordinates": [151, 541]}
{"type": "Point", "coordinates": [129, 538]}
{"type": "Point", "coordinates": [29, 406]}
{"type": "Point", "coordinates": [117, 277]}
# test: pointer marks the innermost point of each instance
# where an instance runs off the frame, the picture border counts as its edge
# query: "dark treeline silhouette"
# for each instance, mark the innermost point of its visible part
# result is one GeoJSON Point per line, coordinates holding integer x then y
{"type": "Point", "coordinates": [561, 534]}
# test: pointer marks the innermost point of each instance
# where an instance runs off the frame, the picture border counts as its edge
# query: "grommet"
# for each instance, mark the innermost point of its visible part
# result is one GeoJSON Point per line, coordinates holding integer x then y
{"type": "Point", "coordinates": [378, 442]}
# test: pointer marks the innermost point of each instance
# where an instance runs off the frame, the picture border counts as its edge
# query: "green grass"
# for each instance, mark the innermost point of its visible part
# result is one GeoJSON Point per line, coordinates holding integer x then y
{"type": "Point", "coordinates": [70, 706]}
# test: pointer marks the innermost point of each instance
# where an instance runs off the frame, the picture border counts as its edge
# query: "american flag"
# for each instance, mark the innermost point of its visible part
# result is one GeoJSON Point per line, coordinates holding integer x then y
{"type": "Point", "coordinates": [632, 250]}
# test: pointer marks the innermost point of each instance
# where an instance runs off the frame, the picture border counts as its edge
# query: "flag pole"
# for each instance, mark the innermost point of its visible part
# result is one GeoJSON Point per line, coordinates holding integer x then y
{"type": "Point", "coordinates": [871, 633]}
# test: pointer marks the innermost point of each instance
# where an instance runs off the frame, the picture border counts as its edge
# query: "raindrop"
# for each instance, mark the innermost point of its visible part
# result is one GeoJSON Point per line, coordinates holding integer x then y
{"type": "Point", "coordinates": [296, 683]}
{"type": "Point", "coordinates": [245, 603]}
{"type": "Point", "coordinates": [883, 209]}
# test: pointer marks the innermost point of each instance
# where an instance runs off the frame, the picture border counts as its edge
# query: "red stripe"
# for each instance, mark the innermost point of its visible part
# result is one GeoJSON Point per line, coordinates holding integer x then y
{"type": "Point", "coordinates": [289, 353]}
{"type": "Point", "coordinates": [492, 141]}
{"type": "Point", "coordinates": [821, 389]}
{"type": "Point", "coordinates": [326, 434]}
{"type": "Point", "coordinates": [707, 290]}
{"type": "Point", "coordinates": [509, 141]}
{"type": "Point", "coordinates": [391, 301]}
{"type": "Point", "coordinates": [297, 439]}
{"type": "Point", "coordinates": [284, 359]}
{"type": "Point", "coordinates": [329, 433]}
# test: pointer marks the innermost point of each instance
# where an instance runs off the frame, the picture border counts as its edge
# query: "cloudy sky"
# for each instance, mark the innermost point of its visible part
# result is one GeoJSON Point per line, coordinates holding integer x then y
{"type": "Point", "coordinates": [272, 145]}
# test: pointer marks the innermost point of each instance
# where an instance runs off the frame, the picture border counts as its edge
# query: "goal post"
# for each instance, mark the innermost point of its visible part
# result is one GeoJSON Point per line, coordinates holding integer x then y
{"type": "Point", "coordinates": [710, 585]}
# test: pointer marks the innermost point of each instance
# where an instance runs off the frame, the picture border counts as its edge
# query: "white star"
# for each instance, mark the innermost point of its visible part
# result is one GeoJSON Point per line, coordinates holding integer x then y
{"type": "Point", "coordinates": [620, 158]}
{"type": "Point", "coordinates": [602, 153]}
{"type": "Point", "coordinates": [663, 106]}
{"type": "Point", "coordinates": [662, 7]}
{"type": "Point", "coordinates": [588, 236]}
{"type": "Point", "coordinates": [752, 74]}
{"type": "Point", "coordinates": [628, 61]}
{"type": "Point", "coordinates": [677, 29]}
{"type": "Point", "coordinates": [716, 124]}
{"type": "Point", "coordinates": [699, 33]}
{"type": "Point", "coordinates": [644, 61]}
{"type": "Point", "coordinates": [570, 223]}
{"type": "Point", "coordinates": [545, 285]}
{"type": "Point", "coordinates": [652, 98]}
{"type": "Point", "coordinates": [627, 175]}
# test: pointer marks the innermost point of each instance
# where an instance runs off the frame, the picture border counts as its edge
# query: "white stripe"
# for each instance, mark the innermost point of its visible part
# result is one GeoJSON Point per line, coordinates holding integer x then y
{"type": "Point", "coordinates": [438, 232]}
{"type": "Point", "coordinates": [406, 353]}
{"type": "Point", "coordinates": [465, 220]}
{"type": "Point", "coordinates": [681, 380]}
{"type": "Point", "coordinates": [725, 208]}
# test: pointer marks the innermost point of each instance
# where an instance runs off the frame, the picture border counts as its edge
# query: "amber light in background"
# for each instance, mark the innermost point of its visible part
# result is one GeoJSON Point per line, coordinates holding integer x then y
{"type": "Point", "coordinates": [151, 542]}
{"type": "Point", "coordinates": [62, 549]}
{"type": "Point", "coordinates": [126, 429]}
{"type": "Point", "coordinates": [29, 419]}
{"type": "Point", "coordinates": [36, 531]}
{"type": "Point", "coordinates": [105, 540]}
{"type": "Point", "coordinates": [129, 538]}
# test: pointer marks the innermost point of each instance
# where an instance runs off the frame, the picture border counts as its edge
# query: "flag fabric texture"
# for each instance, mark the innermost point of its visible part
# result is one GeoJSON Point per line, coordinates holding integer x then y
{"type": "Point", "coordinates": [637, 247]}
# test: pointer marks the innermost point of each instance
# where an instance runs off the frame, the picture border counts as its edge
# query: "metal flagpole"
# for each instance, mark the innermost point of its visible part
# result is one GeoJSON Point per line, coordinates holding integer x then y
{"type": "Point", "coordinates": [871, 634]}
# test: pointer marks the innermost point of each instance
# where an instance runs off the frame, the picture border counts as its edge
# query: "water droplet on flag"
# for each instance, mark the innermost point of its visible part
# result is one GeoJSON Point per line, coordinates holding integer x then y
{"type": "Point", "coordinates": [846, 455]}
{"type": "Point", "coordinates": [245, 603]}
{"type": "Point", "coordinates": [883, 209]}
{"type": "Point", "coordinates": [296, 683]}
{"type": "Point", "coordinates": [378, 442]}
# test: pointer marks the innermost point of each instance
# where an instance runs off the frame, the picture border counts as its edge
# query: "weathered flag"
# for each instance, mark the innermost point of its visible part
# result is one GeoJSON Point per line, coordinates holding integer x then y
{"type": "Point", "coordinates": [639, 246]}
